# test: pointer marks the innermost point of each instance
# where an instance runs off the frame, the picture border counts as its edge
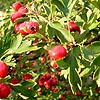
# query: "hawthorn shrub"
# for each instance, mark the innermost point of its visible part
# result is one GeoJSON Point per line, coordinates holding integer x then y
{"type": "Point", "coordinates": [50, 49]}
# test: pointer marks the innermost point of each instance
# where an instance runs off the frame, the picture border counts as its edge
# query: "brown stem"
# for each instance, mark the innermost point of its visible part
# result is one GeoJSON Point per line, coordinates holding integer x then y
{"type": "Point", "coordinates": [92, 40]}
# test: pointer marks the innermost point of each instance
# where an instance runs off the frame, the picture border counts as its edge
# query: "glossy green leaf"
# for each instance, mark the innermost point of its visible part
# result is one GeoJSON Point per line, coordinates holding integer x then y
{"type": "Point", "coordinates": [96, 61]}
{"type": "Point", "coordinates": [60, 6]}
{"type": "Point", "coordinates": [64, 32]}
{"type": "Point", "coordinates": [94, 47]}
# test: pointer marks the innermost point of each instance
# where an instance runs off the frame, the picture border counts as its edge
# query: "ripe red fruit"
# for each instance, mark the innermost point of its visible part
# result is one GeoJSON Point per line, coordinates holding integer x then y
{"type": "Point", "coordinates": [23, 10]}
{"type": "Point", "coordinates": [42, 80]}
{"type": "Point", "coordinates": [16, 5]}
{"type": "Point", "coordinates": [22, 28]}
{"type": "Point", "coordinates": [3, 70]}
{"type": "Point", "coordinates": [69, 93]}
{"type": "Point", "coordinates": [15, 16]}
{"type": "Point", "coordinates": [57, 52]}
{"type": "Point", "coordinates": [27, 77]}
{"type": "Point", "coordinates": [73, 27]}
{"type": "Point", "coordinates": [14, 81]}
{"type": "Point", "coordinates": [42, 59]}
{"type": "Point", "coordinates": [4, 90]}
{"type": "Point", "coordinates": [62, 98]}
{"type": "Point", "coordinates": [16, 28]}
{"type": "Point", "coordinates": [32, 27]}
{"type": "Point", "coordinates": [54, 90]}
{"type": "Point", "coordinates": [47, 84]}
{"type": "Point", "coordinates": [97, 90]}
{"type": "Point", "coordinates": [53, 81]}
{"type": "Point", "coordinates": [35, 70]}
{"type": "Point", "coordinates": [78, 93]}
{"type": "Point", "coordinates": [48, 75]}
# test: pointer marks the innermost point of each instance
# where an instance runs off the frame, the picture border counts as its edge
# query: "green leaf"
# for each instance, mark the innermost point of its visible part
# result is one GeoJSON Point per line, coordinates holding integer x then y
{"type": "Point", "coordinates": [61, 6]}
{"type": "Point", "coordinates": [74, 79]}
{"type": "Point", "coordinates": [96, 61]}
{"type": "Point", "coordinates": [26, 46]}
{"type": "Point", "coordinates": [15, 43]}
{"type": "Point", "coordinates": [47, 9]}
{"type": "Point", "coordinates": [84, 72]}
{"type": "Point", "coordinates": [24, 91]}
{"type": "Point", "coordinates": [94, 25]}
{"type": "Point", "coordinates": [50, 32]}
{"type": "Point", "coordinates": [64, 32]}
{"type": "Point", "coordinates": [22, 19]}
{"type": "Point", "coordinates": [94, 47]}
{"type": "Point", "coordinates": [96, 76]}
{"type": "Point", "coordinates": [87, 54]}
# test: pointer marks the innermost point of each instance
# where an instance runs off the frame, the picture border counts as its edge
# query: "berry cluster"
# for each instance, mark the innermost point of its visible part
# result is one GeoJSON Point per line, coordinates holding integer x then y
{"type": "Point", "coordinates": [26, 27]}
{"type": "Point", "coordinates": [4, 88]}
{"type": "Point", "coordinates": [47, 80]}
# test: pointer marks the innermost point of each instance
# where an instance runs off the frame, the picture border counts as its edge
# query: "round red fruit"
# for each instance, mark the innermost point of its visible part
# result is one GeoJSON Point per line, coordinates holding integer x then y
{"type": "Point", "coordinates": [47, 84]}
{"type": "Point", "coordinates": [27, 77]}
{"type": "Point", "coordinates": [32, 27]}
{"type": "Point", "coordinates": [78, 93]}
{"type": "Point", "coordinates": [42, 80]}
{"type": "Point", "coordinates": [23, 10]}
{"type": "Point", "coordinates": [53, 81]}
{"type": "Point", "coordinates": [16, 5]}
{"type": "Point", "coordinates": [62, 98]}
{"type": "Point", "coordinates": [3, 70]}
{"type": "Point", "coordinates": [57, 52]}
{"type": "Point", "coordinates": [42, 59]}
{"type": "Point", "coordinates": [4, 90]}
{"type": "Point", "coordinates": [22, 28]}
{"type": "Point", "coordinates": [73, 27]}
{"type": "Point", "coordinates": [14, 81]}
{"type": "Point", "coordinates": [15, 16]}
{"type": "Point", "coordinates": [48, 75]}
{"type": "Point", "coordinates": [16, 28]}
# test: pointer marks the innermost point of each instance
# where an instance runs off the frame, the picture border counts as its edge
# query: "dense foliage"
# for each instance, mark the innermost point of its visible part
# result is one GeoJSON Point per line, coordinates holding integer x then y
{"type": "Point", "coordinates": [50, 49]}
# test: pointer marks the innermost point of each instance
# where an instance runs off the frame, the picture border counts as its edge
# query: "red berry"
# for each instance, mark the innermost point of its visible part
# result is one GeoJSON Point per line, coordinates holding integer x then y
{"type": "Point", "coordinates": [69, 93]}
{"type": "Point", "coordinates": [47, 84]}
{"type": "Point", "coordinates": [78, 93]}
{"type": "Point", "coordinates": [53, 81]}
{"type": "Point", "coordinates": [48, 75]}
{"type": "Point", "coordinates": [3, 70]}
{"type": "Point", "coordinates": [62, 98]}
{"type": "Point", "coordinates": [54, 90]}
{"type": "Point", "coordinates": [57, 52]}
{"type": "Point", "coordinates": [4, 90]}
{"type": "Point", "coordinates": [97, 90]}
{"type": "Point", "coordinates": [16, 5]}
{"type": "Point", "coordinates": [42, 80]}
{"type": "Point", "coordinates": [35, 70]}
{"type": "Point", "coordinates": [16, 28]}
{"type": "Point", "coordinates": [15, 16]}
{"type": "Point", "coordinates": [27, 77]}
{"type": "Point", "coordinates": [22, 10]}
{"type": "Point", "coordinates": [73, 27]}
{"type": "Point", "coordinates": [32, 27]}
{"type": "Point", "coordinates": [14, 81]}
{"type": "Point", "coordinates": [22, 28]}
{"type": "Point", "coordinates": [42, 59]}
{"type": "Point", "coordinates": [34, 63]}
